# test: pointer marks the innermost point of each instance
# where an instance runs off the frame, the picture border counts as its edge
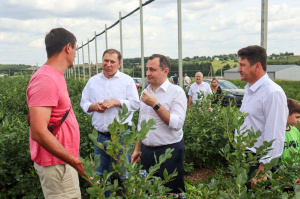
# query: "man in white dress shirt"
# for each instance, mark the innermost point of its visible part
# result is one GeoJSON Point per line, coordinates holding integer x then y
{"type": "Point", "coordinates": [102, 96]}
{"type": "Point", "coordinates": [266, 103]}
{"type": "Point", "coordinates": [187, 80]}
{"type": "Point", "coordinates": [197, 87]}
{"type": "Point", "coordinates": [166, 103]}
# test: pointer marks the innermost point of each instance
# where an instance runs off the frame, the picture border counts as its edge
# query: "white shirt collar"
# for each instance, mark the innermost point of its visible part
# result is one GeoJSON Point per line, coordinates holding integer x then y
{"type": "Point", "coordinates": [164, 86]}
{"type": "Point", "coordinates": [258, 83]}
{"type": "Point", "coordinates": [116, 75]}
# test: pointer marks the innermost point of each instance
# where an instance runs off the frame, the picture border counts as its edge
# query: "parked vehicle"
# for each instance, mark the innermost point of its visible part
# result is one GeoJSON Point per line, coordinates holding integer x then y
{"type": "Point", "coordinates": [138, 82]}
{"type": "Point", "coordinates": [232, 93]}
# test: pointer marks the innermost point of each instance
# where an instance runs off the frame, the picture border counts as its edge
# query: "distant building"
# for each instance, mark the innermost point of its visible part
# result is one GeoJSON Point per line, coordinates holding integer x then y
{"type": "Point", "coordinates": [216, 58]}
{"type": "Point", "coordinates": [285, 72]}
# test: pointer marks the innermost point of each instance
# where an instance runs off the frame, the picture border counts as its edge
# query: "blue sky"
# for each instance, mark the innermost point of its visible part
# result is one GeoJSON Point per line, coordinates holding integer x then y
{"type": "Point", "coordinates": [210, 27]}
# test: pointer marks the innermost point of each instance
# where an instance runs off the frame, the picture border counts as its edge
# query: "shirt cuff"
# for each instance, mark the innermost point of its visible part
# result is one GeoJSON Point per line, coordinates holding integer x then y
{"type": "Point", "coordinates": [173, 122]}
{"type": "Point", "coordinates": [122, 102]}
{"type": "Point", "coordinates": [86, 107]}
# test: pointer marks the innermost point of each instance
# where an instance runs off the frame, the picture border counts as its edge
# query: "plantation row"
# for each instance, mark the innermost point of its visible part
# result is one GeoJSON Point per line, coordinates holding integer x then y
{"type": "Point", "coordinates": [206, 134]}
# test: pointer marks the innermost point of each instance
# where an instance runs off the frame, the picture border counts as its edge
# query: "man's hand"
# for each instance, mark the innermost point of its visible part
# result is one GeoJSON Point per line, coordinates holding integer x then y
{"type": "Point", "coordinates": [109, 103]}
{"type": "Point", "coordinates": [149, 99]}
{"type": "Point", "coordinates": [98, 107]}
{"type": "Point", "coordinates": [297, 181]}
{"type": "Point", "coordinates": [80, 169]}
{"type": "Point", "coordinates": [136, 155]}
{"type": "Point", "coordinates": [264, 176]}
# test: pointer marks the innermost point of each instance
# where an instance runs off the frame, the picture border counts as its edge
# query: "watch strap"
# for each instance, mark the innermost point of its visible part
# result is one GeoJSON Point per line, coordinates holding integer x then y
{"type": "Point", "coordinates": [157, 106]}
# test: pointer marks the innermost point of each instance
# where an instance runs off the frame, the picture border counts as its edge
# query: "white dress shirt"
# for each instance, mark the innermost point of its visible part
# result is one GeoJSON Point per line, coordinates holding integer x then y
{"type": "Point", "coordinates": [186, 79]}
{"type": "Point", "coordinates": [266, 104]}
{"type": "Point", "coordinates": [172, 98]}
{"type": "Point", "coordinates": [195, 89]}
{"type": "Point", "coordinates": [120, 87]}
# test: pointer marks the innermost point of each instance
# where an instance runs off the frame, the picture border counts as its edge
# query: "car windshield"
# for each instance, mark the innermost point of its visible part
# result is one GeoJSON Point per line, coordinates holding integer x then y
{"type": "Point", "coordinates": [137, 80]}
{"type": "Point", "coordinates": [227, 85]}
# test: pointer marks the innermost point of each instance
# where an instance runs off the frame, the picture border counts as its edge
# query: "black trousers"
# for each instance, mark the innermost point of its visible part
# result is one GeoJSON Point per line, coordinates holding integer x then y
{"type": "Point", "coordinates": [175, 162]}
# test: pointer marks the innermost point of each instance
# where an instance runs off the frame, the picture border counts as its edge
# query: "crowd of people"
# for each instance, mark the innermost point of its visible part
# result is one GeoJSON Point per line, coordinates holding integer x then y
{"type": "Point", "coordinates": [54, 130]}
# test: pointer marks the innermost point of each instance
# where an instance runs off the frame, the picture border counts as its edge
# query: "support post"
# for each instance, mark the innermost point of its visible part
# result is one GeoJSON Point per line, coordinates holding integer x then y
{"type": "Point", "coordinates": [106, 42]}
{"type": "Point", "coordinates": [264, 23]}
{"type": "Point", "coordinates": [78, 64]}
{"type": "Point", "coordinates": [179, 44]}
{"type": "Point", "coordinates": [96, 52]}
{"type": "Point", "coordinates": [83, 63]}
{"type": "Point", "coordinates": [121, 40]}
{"type": "Point", "coordinates": [90, 74]}
{"type": "Point", "coordinates": [142, 44]}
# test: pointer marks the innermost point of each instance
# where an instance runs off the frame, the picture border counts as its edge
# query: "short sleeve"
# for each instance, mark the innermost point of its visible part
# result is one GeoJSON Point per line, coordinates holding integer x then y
{"type": "Point", "coordinates": [42, 91]}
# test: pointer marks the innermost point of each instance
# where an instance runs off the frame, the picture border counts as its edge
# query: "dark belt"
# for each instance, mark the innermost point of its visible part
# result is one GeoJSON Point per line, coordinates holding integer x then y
{"type": "Point", "coordinates": [106, 134]}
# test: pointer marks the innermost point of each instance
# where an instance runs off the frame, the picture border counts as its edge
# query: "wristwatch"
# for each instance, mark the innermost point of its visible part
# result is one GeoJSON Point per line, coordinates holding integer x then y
{"type": "Point", "coordinates": [156, 107]}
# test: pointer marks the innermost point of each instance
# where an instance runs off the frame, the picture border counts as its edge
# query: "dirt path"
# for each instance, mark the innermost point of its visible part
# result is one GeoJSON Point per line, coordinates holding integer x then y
{"type": "Point", "coordinates": [199, 174]}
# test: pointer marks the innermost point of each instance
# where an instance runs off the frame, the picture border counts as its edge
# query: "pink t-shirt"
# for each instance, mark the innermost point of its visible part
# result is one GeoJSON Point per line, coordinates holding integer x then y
{"type": "Point", "coordinates": [48, 87]}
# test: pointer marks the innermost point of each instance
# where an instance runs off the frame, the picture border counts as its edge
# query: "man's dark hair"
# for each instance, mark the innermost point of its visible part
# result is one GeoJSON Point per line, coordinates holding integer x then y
{"type": "Point", "coordinates": [293, 105]}
{"type": "Point", "coordinates": [113, 51]}
{"type": "Point", "coordinates": [254, 54]}
{"type": "Point", "coordinates": [57, 39]}
{"type": "Point", "coordinates": [164, 62]}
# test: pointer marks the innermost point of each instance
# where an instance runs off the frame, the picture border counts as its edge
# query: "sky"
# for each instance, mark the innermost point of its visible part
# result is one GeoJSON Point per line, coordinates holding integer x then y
{"type": "Point", "coordinates": [209, 27]}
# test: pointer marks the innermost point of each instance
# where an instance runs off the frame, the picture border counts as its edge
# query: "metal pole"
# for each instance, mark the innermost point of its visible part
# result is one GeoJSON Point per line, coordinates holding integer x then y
{"type": "Point", "coordinates": [264, 23]}
{"type": "Point", "coordinates": [221, 71]}
{"type": "Point", "coordinates": [96, 52]}
{"type": "Point", "coordinates": [106, 37]}
{"type": "Point", "coordinates": [74, 69]}
{"type": "Point", "coordinates": [90, 75]}
{"type": "Point", "coordinates": [121, 40]}
{"type": "Point", "coordinates": [179, 44]}
{"type": "Point", "coordinates": [78, 64]}
{"type": "Point", "coordinates": [83, 63]}
{"type": "Point", "coordinates": [142, 44]}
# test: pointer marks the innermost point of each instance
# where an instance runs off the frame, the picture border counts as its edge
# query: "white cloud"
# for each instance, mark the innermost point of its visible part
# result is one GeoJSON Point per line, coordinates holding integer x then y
{"type": "Point", "coordinates": [209, 26]}
{"type": "Point", "coordinates": [39, 43]}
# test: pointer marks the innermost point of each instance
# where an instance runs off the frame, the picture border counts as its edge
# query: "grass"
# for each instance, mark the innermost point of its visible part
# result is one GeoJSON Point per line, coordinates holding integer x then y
{"type": "Point", "coordinates": [217, 64]}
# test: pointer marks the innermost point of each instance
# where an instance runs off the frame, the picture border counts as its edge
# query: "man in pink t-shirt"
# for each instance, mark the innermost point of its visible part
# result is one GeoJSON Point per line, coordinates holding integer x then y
{"type": "Point", "coordinates": [55, 154]}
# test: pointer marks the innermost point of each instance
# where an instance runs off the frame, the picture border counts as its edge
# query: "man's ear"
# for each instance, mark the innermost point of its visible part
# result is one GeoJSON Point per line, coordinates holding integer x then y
{"type": "Point", "coordinates": [166, 71]}
{"type": "Point", "coordinates": [68, 48]}
{"type": "Point", "coordinates": [258, 66]}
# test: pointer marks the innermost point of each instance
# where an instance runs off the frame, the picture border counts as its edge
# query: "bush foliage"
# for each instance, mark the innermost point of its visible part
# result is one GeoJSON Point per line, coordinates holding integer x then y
{"type": "Point", "coordinates": [205, 133]}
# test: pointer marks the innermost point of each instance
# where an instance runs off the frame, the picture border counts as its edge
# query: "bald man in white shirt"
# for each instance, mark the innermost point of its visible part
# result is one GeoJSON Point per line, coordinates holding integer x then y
{"type": "Point", "coordinates": [264, 101]}
{"type": "Point", "coordinates": [167, 104]}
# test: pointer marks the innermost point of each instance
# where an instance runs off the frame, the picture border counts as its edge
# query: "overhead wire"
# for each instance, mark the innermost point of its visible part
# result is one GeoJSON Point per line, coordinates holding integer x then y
{"type": "Point", "coordinates": [113, 25]}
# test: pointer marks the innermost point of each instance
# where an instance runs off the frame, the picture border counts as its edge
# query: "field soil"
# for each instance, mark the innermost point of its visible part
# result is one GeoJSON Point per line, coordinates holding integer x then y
{"type": "Point", "coordinates": [199, 174]}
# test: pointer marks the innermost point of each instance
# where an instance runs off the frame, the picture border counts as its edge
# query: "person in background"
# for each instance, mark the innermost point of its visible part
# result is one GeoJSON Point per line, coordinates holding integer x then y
{"type": "Point", "coordinates": [292, 135]}
{"type": "Point", "coordinates": [175, 79]}
{"type": "Point", "coordinates": [166, 103]}
{"type": "Point", "coordinates": [266, 104]}
{"type": "Point", "coordinates": [54, 141]}
{"type": "Point", "coordinates": [103, 94]}
{"type": "Point", "coordinates": [187, 80]}
{"type": "Point", "coordinates": [197, 87]}
{"type": "Point", "coordinates": [216, 89]}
